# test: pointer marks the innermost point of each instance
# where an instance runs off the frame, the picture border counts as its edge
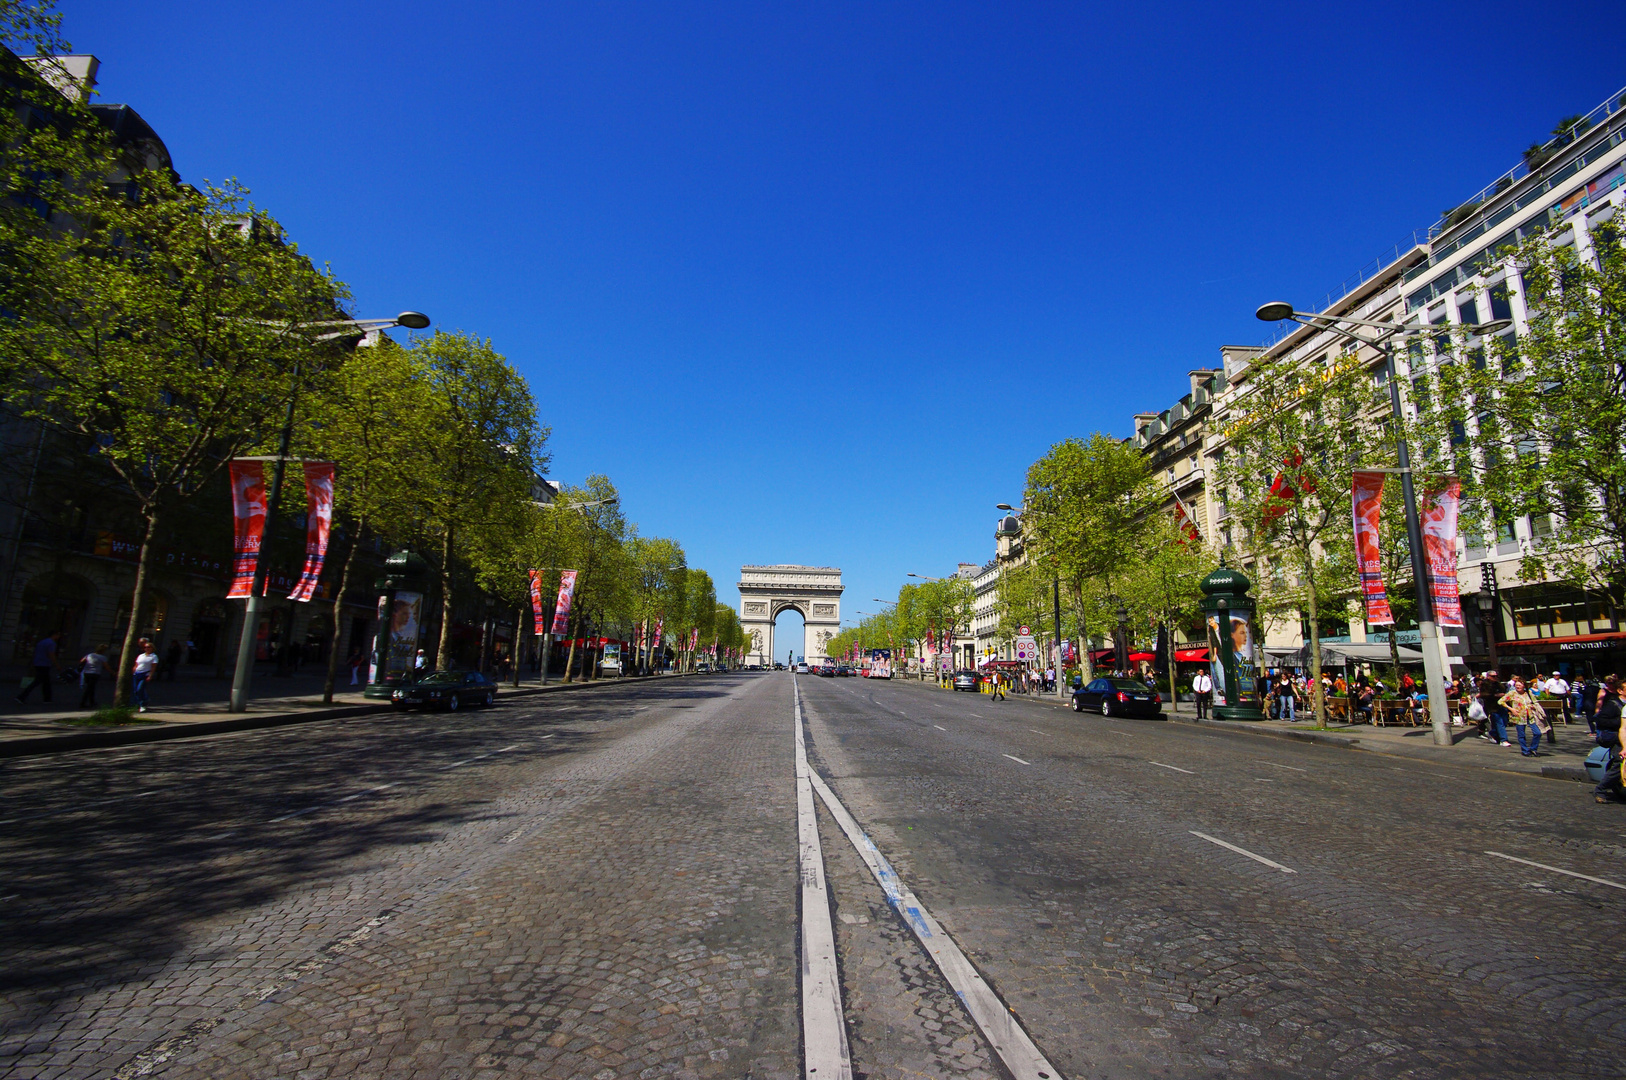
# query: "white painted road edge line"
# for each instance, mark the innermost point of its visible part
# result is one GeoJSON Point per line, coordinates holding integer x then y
{"type": "Point", "coordinates": [1272, 863]}
{"type": "Point", "coordinates": [1556, 870]}
{"type": "Point", "coordinates": [824, 1026]}
{"type": "Point", "coordinates": [1016, 759]}
{"type": "Point", "coordinates": [1176, 768]}
{"type": "Point", "coordinates": [998, 1024]}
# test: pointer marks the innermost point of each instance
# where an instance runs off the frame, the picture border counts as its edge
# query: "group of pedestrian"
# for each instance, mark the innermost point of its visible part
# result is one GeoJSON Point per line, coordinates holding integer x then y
{"type": "Point", "coordinates": [91, 667]}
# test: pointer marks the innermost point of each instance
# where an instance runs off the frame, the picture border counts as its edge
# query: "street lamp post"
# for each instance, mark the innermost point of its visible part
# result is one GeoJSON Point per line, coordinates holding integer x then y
{"type": "Point", "coordinates": [1487, 603]}
{"type": "Point", "coordinates": [244, 672]}
{"type": "Point", "coordinates": [1055, 583]}
{"type": "Point", "coordinates": [1427, 632]}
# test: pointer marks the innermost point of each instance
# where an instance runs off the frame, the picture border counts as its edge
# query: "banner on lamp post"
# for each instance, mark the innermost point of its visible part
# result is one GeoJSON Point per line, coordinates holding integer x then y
{"type": "Point", "coordinates": [561, 609]}
{"type": "Point", "coordinates": [1366, 498]}
{"type": "Point", "coordinates": [1440, 545]}
{"type": "Point", "coordinates": [248, 524]}
{"type": "Point", "coordinates": [539, 618]}
{"type": "Point", "coordinates": [318, 524]}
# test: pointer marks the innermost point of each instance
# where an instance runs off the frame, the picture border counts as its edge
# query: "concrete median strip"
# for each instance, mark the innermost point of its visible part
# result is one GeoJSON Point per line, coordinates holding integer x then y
{"type": "Point", "coordinates": [825, 1053]}
{"type": "Point", "coordinates": [997, 1022]}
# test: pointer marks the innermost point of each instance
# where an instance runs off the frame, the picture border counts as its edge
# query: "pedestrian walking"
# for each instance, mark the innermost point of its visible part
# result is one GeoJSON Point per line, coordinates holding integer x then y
{"type": "Point", "coordinates": [1591, 690]}
{"type": "Point", "coordinates": [44, 664]}
{"type": "Point", "coordinates": [997, 682]}
{"type": "Point", "coordinates": [1202, 688]}
{"type": "Point", "coordinates": [146, 666]}
{"type": "Point", "coordinates": [91, 667]}
{"type": "Point", "coordinates": [1495, 719]}
{"type": "Point", "coordinates": [1608, 719]}
{"type": "Point", "coordinates": [1527, 715]}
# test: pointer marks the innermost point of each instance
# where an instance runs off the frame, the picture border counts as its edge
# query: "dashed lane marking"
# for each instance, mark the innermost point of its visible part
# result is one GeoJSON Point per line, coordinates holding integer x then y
{"type": "Point", "coordinates": [1016, 759]}
{"type": "Point", "coordinates": [998, 1023]}
{"type": "Point", "coordinates": [939, 727]}
{"type": "Point", "coordinates": [1556, 870]}
{"type": "Point", "coordinates": [1279, 765]}
{"type": "Point", "coordinates": [1176, 768]}
{"type": "Point", "coordinates": [826, 1055]}
{"type": "Point", "coordinates": [1036, 731]}
{"type": "Point", "coordinates": [1272, 863]}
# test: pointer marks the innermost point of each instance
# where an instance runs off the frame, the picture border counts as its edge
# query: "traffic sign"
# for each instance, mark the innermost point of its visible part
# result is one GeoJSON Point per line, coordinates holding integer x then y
{"type": "Point", "coordinates": [1026, 647]}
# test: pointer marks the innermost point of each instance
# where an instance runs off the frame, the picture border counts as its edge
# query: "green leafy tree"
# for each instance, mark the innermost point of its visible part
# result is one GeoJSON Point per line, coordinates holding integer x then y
{"type": "Point", "coordinates": [1295, 435]}
{"type": "Point", "coordinates": [482, 449]}
{"type": "Point", "coordinates": [1537, 425]}
{"type": "Point", "coordinates": [1087, 502]}
{"type": "Point", "coordinates": [161, 324]}
{"type": "Point", "coordinates": [1164, 585]}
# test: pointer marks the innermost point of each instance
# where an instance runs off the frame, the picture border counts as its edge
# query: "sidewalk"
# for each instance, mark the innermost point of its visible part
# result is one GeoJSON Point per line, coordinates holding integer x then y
{"type": "Point", "coordinates": [198, 706]}
{"type": "Point", "coordinates": [1563, 761]}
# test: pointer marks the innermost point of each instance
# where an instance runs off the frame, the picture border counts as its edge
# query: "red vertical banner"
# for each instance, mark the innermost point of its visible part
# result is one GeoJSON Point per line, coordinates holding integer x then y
{"type": "Point", "coordinates": [561, 610]}
{"type": "Point", "coordinates": [248, 523]}
{"type": "Point", "coordinates": [539, 615]}
{"type": "Point", "coordinates": [1440, 545]}
{"type": "Point", "coordinates": [318, 524]}
{"type": "Point", "coordinates": [657, 643]}
{"type": "Point", "coordinates": [1367, 499]}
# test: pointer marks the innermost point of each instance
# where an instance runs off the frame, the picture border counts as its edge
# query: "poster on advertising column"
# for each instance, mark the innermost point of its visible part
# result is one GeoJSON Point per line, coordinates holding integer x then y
{"type": "Point", "coordinates": [406, 622]}
{"type": "Point", "coordinates": [1440, 545]}
{"type": "Point", "coordinates": [1366, 498]}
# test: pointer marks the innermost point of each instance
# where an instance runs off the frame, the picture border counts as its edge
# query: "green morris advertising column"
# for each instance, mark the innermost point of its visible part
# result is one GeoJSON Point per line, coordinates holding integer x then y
{"type": "Point", "coordinates": [1228, 610]}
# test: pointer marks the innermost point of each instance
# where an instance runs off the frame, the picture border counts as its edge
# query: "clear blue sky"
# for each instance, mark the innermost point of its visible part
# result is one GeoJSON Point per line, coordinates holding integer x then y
{"type": "Point", "coordinates": [816, 282]}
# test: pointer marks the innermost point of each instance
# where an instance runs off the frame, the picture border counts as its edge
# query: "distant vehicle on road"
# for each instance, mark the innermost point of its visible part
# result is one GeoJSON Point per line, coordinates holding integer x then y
{"type": "Point", "coordinates": [966, 680]}
{"type": "Point", "coordinates": [778, 666]}
{"type": "Point", "coordinates": [449, 690]}
{"type": "Point", "coordinates": [801, 669]}
{"type": "Point", "coordinates": [844, 672]}
{"type": "Point", "coordinates": [827, 671]}
{"type": "Point", "coordinates": [1117, 697]}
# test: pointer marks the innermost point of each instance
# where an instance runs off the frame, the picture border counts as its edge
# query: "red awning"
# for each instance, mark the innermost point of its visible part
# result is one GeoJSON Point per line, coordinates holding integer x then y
{"type": "Point", "coordinates": [1192, 656]}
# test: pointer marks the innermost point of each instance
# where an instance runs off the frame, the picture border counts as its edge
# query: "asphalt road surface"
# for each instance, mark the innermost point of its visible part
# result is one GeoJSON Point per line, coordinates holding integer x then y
{"type": "Point", "coordinates": [604, 883]}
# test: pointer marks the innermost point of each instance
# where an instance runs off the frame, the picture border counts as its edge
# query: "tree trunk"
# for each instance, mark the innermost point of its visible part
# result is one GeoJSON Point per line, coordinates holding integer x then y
{"type": "Point", "coordinates": [338, 606]}
{"type": "Point", "coordinates": [515, 652]}
{"type": "Point", "coordinates": [138, 600]}
{"type": "Point", "coordinates": [570, 657]}
{"type": "Point", "coordinates": [1315, 651]}
{"type": "Point", "coordinates": [446, 597]}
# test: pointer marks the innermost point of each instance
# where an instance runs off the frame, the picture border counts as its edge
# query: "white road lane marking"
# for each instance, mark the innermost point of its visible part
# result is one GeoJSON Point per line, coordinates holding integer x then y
{"type": "Point", "coordinates": [824, 1026]}
{"type": "Point", "coordinates": [1272, 863]}
{"type": "Point", "coordinates": [998, 1023]}
{"type": "Point", "coordinates": [1279, 765]}
{"type": "Point", "coordinates": [1176, 768]}
{"type": "Point", "coordinates": [327, 805]}
{"type": "Point", "coordinates": [939, 727]}
{"type": "Point", "coordinates": [1036, 731]}
{"type": "Point", "coordinates": [1556, 870]}
{"type": "Point", "coordinates": [1125, 734]}
{"type": "Point", "coordinates": [1016, 759]}
{"type": "Point", "coordinates": [978, 715]}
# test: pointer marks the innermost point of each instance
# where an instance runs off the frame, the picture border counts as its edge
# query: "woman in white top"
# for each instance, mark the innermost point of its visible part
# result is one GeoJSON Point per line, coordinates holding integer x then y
{"type": "Point", "coordinates": [146, 666]}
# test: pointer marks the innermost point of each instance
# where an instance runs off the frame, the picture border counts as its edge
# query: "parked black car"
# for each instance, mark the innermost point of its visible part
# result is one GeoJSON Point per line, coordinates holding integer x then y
{"type": "Point", "coordinates": [449, 690]}
{"type": "Point", "coordinates": [1117, 697]}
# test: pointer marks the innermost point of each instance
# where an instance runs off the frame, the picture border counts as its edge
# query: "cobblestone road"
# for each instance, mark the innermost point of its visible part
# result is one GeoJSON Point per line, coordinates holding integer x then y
{"type": "Point", "coordinates": [1058, 848]}
{"type": "Point", "coordinates": [603, 884]}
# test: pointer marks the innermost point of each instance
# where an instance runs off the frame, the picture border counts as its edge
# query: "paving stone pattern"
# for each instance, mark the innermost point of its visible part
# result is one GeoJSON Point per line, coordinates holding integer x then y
{"type": "Point", "coordinates": [592, 902]}
{"type": "Point", "coordinates": [1130, 947]}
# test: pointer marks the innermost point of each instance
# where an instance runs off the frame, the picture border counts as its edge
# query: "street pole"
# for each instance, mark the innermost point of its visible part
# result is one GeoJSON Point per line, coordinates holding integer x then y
{"type": "Point", "coordinates": [1439, 712]}
{"type": "Point", "coordinates": [251, 611]}
{"type": "Point", "coordinates": [1056, 600]}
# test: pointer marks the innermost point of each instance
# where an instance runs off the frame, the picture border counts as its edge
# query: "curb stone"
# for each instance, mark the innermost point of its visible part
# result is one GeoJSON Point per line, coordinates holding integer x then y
{"type": "Point", "coordinates": [93, 740]}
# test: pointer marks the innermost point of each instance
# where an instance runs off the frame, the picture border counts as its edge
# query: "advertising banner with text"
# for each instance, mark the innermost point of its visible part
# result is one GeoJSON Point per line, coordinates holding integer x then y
{"type": "Point", "coordinates": [1440, 545]}
{"type": "Point", "coordinates": [1367, 500]}
{"type": "Point", "coordinates": [318, 523]}
{"type": "Point", "coordinates": [561, 610]}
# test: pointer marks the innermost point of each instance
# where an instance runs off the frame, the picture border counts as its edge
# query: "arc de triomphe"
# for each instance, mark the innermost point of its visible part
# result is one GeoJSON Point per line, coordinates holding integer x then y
{"type": "Point", "coordinates": [765, 591]}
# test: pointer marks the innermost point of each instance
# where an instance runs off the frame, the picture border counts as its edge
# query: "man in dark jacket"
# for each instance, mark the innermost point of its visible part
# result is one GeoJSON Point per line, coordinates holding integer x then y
{"type": "Point", "coordinates": [1490, 696]}
{"type": "Point", "coordinates": [1608, 720]}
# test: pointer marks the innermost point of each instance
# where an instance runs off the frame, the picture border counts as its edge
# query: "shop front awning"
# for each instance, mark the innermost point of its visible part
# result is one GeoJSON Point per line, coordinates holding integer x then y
{"type": "Point", "coordinates": [1192, 656]}
{"type": "Point", "coordinates": [1334, 654]}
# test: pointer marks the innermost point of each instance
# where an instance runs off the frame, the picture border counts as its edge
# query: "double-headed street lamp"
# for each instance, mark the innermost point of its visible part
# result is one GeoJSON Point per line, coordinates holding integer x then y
{"type": "Point", "coordinates": [1427, 632]}
{"type": "Point", "coordinates": [335, 329]}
